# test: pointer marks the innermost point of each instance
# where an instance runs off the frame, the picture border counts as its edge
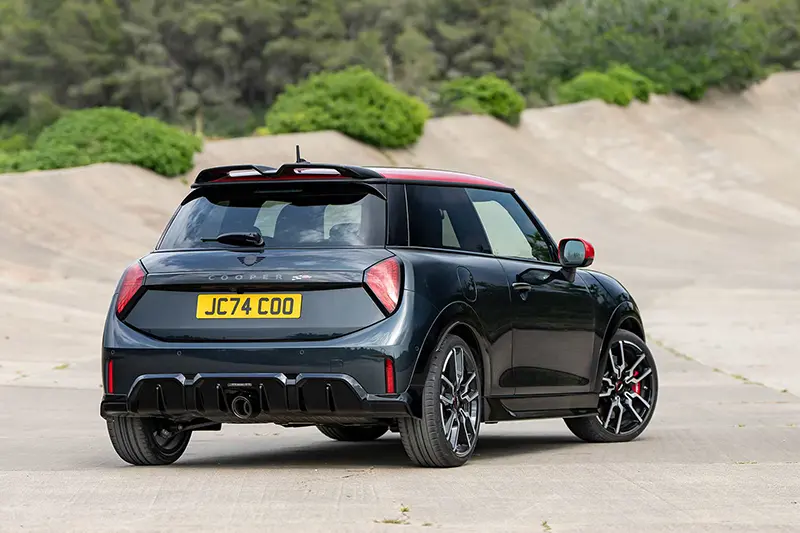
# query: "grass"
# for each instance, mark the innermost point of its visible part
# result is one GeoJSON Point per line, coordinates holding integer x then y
{"type": "Point", "coordinates": [62, 366]}
{"type": "Point", "coordinates": [685, 357]}
{"type": "Point", "coordinates": [672, 350]}
{"type": "Point", "coordinates": [402, 521]}
{"type": "Point", "coordinates": [397, 521]}
{"type": "Point", "coordinates": [746, 462]}
{"type": "Point", "coordinates": [546, 526]}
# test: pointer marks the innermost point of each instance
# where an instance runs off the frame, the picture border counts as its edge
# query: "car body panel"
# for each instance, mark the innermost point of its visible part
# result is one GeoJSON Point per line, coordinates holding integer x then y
{"type": "Point", "coordinates": [539, 358]}
{"type": "Point", "coordinates": [554, 329]}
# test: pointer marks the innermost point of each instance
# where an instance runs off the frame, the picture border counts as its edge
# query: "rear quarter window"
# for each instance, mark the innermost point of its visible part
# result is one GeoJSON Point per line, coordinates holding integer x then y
{"type": "Point", "coordinates": [443, 217]}
{"type": "Point", "coordinates": [304, 216]}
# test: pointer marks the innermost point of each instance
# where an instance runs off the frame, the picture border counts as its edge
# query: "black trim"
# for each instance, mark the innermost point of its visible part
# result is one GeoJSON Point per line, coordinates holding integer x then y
{"type": "Point", "coordinates": [539, 226]}
{"type": "Point", "coordinates": [215, 173]}
{"type": "Point", "coordinates": [211, 174]}
{"type": "Point", "coordinates": [275, 398]}
{"type": "Point", "coordinates": [396, 215]}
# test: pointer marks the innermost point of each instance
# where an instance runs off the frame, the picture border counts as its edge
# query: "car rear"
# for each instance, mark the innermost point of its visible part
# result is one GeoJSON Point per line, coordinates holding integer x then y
{"type": "Point", "coordinates": [282, 293]}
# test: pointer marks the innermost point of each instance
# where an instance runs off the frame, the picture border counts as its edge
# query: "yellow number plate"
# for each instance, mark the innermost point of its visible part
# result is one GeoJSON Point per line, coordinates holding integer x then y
{"type": "Point", "coordinates": [249, 305]}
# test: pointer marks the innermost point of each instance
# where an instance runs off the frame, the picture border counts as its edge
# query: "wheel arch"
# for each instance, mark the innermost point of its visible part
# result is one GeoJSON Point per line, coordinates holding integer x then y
{"type": "Point", "coordinates": [460, 319]}
{"type": "Point", "coordinates": [625, 316]}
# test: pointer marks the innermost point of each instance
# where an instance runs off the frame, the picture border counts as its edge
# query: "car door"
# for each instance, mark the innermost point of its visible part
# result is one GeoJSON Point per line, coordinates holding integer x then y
{"type": "Point", "coordinates": [553, 316]}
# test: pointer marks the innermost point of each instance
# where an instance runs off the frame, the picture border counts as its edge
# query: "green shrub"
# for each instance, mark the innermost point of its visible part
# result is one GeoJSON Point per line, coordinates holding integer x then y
{"type": "Point", "coordinates": [686, 47]}
{"type": "Point", "coordinates": [487, 95]}
{"type": "Point", "coordinates": [642, 86]}
{"type": "Point", "coordinates": [108, 135]}
{"type": "Point", "coordinates": [14, 143]}
{"type": "Point", "coordinates": [592, 85]}
{"type": "Point", "coordinates": [354, 102]}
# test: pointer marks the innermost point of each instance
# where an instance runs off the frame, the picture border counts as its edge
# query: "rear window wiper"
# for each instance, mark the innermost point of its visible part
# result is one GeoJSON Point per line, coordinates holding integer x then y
{"type": "Point", "coordinates": [252, 238]}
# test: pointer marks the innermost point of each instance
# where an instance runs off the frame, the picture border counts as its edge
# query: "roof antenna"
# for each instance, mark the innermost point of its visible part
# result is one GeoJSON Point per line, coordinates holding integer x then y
{"type": "Point", "coordinates": [299, 159]}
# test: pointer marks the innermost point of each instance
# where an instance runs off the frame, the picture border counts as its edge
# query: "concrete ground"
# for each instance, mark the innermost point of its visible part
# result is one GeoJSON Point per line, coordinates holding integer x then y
{"type": "Point", "coordinates": [694, 207]}
{"type": "Point", "coordinates": [721, 455]}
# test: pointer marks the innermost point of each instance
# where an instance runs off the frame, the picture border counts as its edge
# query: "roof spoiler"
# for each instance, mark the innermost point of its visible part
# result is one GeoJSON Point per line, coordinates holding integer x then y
{"type": "Point", "coordinates": [255, 172]}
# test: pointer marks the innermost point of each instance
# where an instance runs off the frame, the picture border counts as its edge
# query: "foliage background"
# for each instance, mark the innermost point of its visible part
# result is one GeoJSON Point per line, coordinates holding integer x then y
{"type": "Point", "coordinates": [216, 66]}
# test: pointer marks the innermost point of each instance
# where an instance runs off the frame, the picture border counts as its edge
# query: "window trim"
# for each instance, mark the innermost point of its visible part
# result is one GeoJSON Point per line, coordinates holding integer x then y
{"type": "Point", "coordinates": [540, 227]}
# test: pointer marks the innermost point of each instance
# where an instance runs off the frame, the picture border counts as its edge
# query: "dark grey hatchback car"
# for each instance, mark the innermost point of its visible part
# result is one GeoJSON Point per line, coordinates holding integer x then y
{"type": "Point", "coordinates": [362, 300]}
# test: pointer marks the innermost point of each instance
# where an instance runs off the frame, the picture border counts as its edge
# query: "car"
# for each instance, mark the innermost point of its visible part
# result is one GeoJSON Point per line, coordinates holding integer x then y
{"type": "Point", "coordinates": [363, 300]}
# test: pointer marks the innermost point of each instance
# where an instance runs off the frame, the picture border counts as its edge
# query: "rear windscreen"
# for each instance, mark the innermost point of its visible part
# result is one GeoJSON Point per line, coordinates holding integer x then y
{"type": "Point", "coordinates": [306, 216]}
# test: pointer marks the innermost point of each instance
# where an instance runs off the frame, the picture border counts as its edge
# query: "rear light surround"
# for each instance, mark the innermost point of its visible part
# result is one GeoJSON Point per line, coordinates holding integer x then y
{"type": "Point", "coordinates": [130, 288]}
{"type": "Point", "coordinates": [384, 281]}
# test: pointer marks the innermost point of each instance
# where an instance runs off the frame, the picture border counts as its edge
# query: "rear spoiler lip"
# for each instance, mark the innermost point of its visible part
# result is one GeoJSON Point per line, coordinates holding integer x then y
{"type": "Point", "coordinates": [254, 172]}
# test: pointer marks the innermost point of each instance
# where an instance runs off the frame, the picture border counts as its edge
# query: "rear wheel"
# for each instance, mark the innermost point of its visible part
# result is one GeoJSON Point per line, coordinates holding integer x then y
{"type": "Point", "coordinates": [146, 441]}
{"type": "Point", "coordinates": [447, 433]}
{"type": "Point", "coordinates": [354, 433]}
{"type": "Point", "coordinates": [628, 395]}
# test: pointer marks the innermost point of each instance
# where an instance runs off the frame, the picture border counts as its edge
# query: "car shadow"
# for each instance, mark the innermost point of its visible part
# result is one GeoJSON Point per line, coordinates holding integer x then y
{"type": "Point", "coordinates": [385, 452]}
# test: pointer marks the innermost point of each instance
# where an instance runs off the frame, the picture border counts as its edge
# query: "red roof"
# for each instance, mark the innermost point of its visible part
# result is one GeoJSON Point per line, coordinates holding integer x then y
{"type": "Point", "coordinates": [442, 176]}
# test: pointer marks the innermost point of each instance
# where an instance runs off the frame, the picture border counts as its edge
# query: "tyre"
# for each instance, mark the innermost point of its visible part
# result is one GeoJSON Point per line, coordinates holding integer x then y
{"type": "Point", "coordinates": [146, 441]}
{"type": "Point", "coordinates": [447, 432]}
{"type": "Point", "coordinates": [628, 395]}
{"type": "Point", "coordinates": [354, 433]}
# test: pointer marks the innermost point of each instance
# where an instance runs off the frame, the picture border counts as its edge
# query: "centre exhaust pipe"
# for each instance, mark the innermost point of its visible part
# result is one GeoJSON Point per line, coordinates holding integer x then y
{"type": "Point", "coordinates": [242, 407]}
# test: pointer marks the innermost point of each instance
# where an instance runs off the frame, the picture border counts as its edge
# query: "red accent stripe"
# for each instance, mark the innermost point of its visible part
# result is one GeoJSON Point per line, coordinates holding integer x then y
{"type": "Point", "coordinates": [438, 176]}
{"type": "Point", "coordinates": [389, 366]}
{"type": "Point", "coordinates": [110, 377]}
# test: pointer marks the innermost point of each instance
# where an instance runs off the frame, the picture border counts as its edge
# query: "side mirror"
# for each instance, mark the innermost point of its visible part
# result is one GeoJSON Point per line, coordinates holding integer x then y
{"type": "Point", "coordinates": [575, 253]}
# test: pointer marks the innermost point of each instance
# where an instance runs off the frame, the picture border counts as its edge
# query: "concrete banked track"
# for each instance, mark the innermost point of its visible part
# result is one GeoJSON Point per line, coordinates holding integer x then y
{"type": "Point", "coordinates": [696, 208]}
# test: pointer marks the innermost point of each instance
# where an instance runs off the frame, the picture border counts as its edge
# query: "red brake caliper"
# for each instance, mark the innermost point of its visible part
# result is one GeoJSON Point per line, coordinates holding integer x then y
{"type": "Point", "coordinates": [637, 387]}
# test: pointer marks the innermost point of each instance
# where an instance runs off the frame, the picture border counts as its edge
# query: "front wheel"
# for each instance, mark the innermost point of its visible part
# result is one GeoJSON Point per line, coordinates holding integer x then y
{"type": "Point", "coordinates": [447, 433]}
{"type": "Point", "coordinates": [628, 395]}
{"type": "Point", "coordinates": [146, 441]}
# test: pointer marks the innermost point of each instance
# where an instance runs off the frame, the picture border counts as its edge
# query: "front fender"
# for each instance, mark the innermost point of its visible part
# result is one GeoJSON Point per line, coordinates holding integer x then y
{"type": "Point", "coordinates": [625, 313]}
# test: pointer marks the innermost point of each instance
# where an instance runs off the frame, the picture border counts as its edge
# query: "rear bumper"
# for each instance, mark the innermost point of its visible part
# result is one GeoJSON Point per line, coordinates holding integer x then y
{"type": "Point", "coordinates": [274, 397]}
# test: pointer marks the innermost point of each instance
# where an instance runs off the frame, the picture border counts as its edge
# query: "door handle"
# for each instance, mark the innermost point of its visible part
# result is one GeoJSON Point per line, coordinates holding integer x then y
{"type": "Point", "coordinates": [522, 287]}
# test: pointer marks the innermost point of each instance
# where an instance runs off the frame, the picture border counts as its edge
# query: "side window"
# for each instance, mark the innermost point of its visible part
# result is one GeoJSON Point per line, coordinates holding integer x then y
{"type": "Point", "coordinates": [510, 230]}
{"type": "Point", "coordinates": [444, 218]}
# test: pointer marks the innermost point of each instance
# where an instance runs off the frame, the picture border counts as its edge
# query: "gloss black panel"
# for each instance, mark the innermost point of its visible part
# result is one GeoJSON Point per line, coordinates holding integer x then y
{"type": "Point", "coordinates": [171, 316]}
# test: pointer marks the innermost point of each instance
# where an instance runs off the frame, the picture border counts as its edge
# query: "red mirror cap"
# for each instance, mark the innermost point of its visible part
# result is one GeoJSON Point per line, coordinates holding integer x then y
{"type": "Point", "coordinates": [588, 250]}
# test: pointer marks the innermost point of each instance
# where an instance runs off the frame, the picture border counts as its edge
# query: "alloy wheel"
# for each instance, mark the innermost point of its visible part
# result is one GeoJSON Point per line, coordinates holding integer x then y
{"type": "Point", "coordinates": [628, 390]}
{"type": "Point", "coordinates": [459, 401]}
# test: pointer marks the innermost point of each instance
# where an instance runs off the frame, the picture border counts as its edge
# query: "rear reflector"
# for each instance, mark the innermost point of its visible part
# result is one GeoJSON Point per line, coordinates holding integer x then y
{"type": "Point", "coordinates": [132, 281]}
{"type": "Point", "coordinates": [389, 367]}
{"type": "Point", "coordinates": [383, 279]}
{"type": "Point", "coordinates": [110, 377]}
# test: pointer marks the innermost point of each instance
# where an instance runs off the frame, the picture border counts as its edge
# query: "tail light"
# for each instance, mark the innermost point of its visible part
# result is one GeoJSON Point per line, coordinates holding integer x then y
{"type": "Point", "coordinates": [132, 281]}
{"type": "Point", "coordinates": [383, 279]}
{"type": "Point", "coordinates": [389, 368]}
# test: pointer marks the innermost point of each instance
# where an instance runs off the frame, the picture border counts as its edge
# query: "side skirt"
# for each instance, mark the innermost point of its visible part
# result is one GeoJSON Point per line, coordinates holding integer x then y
{"type": "Point", "coordinates": [529, 407]}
